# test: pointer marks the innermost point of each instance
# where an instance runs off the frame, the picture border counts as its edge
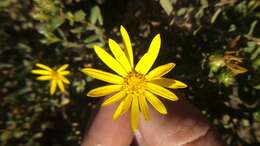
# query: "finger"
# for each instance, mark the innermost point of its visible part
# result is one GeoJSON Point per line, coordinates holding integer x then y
{"type": "Point", "coordinates": [184, 125]}
{"type": "Point", "coordinates": [106, 132]}
{"type": "Point", "coordinates": [209, 139]}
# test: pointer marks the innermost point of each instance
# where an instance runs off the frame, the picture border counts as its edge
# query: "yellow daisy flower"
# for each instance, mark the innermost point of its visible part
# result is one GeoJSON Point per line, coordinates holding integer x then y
{"type": "Point", "coordinates": [133, 86]}
{"type": "Point", "coordinates": [57, 77]}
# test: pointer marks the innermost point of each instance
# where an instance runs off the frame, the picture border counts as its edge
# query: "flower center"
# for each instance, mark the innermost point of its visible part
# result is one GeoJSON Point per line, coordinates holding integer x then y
{"type": "Point", "coordinates": [55, 74]}
{"type": "Point", "coordinates": [134, 83]}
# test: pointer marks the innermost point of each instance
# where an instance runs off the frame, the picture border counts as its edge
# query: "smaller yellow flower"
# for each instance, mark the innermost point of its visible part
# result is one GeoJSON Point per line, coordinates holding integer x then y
{"type": "Point", "coordinates": [57, 77]}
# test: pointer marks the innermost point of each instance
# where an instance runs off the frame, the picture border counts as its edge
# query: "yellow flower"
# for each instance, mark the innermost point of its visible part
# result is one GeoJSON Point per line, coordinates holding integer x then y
{"type": "Point", "coordinates": [134, 86]}
{"type": "Point", "coordinates": [57, 77]}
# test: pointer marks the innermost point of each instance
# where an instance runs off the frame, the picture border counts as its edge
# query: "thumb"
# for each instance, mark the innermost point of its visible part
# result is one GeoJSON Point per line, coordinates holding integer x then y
{"type": "Point", "coordinates": [184, 125]}
{"type": "Point", "coordinates": [106, 132]}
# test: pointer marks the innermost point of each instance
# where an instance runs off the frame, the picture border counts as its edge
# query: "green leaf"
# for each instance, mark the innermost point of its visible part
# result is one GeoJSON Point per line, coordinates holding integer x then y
{"type": "Point", "coordinates": [77, 30]}
{"type": "Point", "coordinates": [80, 16]}
{"type": "Point", "coordinates": [38, 135]}
{"type": "Point", "coordinates": [5, 3]}
{"type": "Point", "coordinates": [39, 16]}
{"type": "Point", "coordinates": [70, 17]}
{"type": "Point", "coordinates": [204, 3]}
{"type": "Point", "coordinates": [56, 23]}
{"type": "Point", "coordinates": [167, 6]}
{"type": "Point", "coordinates": [232, 28]}
{"type": "Point", "coordinates": [250, 47]}
{"type": "Point", "coordinates": [251, 44]}
{"type": "Point", "coordinates": [96, 16]}
{"type": "Point", "coordinates": [5, 136]}
{"type": "Point", "coordinates": [50, 38]}
{"type": "Point", "coordinates": [252, 27]}
{"type": "Point", "coordinates": [227, 78]}
{"type": "Point", "coordinates": [181, 11]}
{"type": "Point", "coordinates": [255, 54]}
{"type": "Point", "coordinates": [18, 134]}
{"type": "Point", "coordinates": [256, 64]}
{"type": "Point", "coordinates": [25, 47]}
{"type": "Point", "coordinates": [91, 45]}
{"type": "Point", "coordinates": [91, 38]}
{"type": "Point", "coordinates": [257, 87]}
{"type": "Point", "coordinates": [215, 16]}
{"type": "Point", "coordinates": [256, 116]}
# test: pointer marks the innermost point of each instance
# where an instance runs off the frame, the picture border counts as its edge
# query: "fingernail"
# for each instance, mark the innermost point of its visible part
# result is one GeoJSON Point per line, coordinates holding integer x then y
{"type": "Point", "coordinates": [139, 138]}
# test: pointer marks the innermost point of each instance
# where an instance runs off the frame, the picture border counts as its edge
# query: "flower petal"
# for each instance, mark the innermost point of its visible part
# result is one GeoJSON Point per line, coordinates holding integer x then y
{"type": "Point", "coordinates": [127, 103]}
{"type": "Point", "coordinates": [104, 90]}
{"type": "Point", "coordinates": [103, 76]}
{"type": "Point", "coordinates": [144, 107]}
{"type": "Point", "coordinates": [143, 63]}
{"type": "Point", "coordinates": [64, 73]}
{"type": "Point", "coordinates": [118, 111]}
{"type": "Point", "coordinates": [60, 85]}
{"type": "Point", "coordinates": [41, 72]}
{"type": "Point", "coordinates": [169, 83]}
{"type": "Point", "coordinates": [160, 71]}
{"type": "Point", "coordinates": [159, 90]}
{"type": "Point", "coordinates": [128, 47]}
{"type": "Point", "coordinates": [119, 55]}
{"type": "Point", "coordinates": [110, 61]}
{"type": "Point", "coordinates": [63, 67]}
{"type": "Point", "coordinates": [65, 80]}
{"type": "Point", "coordinates": [134, 114]}
{"type": "Point", "coordinates": [44, 78]}
{"type": "Point", "coordinates": [43, 66]}
{"type": "Point", "coordinates": [147, 61]}
{"type": "Point", "coordinates": [156, 103]}
{"type": "Point", "coordinates": [116, 97]}
{"type": "Point", "coordinates": [53, 86]}
{"type": "Point", "coordinates": [123, 107]}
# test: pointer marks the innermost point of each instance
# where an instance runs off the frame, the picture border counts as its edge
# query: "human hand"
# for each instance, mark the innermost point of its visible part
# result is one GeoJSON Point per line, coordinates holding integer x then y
{"type": "Point", "coordinates": [184, 125]}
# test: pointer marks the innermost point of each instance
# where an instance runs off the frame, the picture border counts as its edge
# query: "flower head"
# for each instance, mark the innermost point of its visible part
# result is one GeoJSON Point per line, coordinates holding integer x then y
{"type": "Point", "coordinates": [134, 86]}
{"type": "Point", "coordinates": [57, 77]}
{"type": "Point", "coordinates": [229, 60]}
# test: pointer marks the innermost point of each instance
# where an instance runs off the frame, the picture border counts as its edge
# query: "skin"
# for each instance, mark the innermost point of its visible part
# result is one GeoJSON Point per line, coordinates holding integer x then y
{"type": "Point", "coordinates": [184, 125]}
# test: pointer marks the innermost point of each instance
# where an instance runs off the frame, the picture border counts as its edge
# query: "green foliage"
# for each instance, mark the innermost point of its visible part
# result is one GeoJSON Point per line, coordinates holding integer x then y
{"type": "Point", "coordinates": [197, 35]}
{"type": "Point", "coordinates": [45, 31]}
{"type": "Point", "coordinates": [52, 17]}
{"type": "Point", "coordinates": [253, 49]}
{"type": "Point", "coordinates": [227, 78]}
{"type": "Point", "coordinates": [167, 6]}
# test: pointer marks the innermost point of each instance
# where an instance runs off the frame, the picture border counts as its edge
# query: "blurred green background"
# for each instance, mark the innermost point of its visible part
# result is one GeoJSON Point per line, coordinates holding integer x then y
{"type": "Point", "coordinates": [215, 44]}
